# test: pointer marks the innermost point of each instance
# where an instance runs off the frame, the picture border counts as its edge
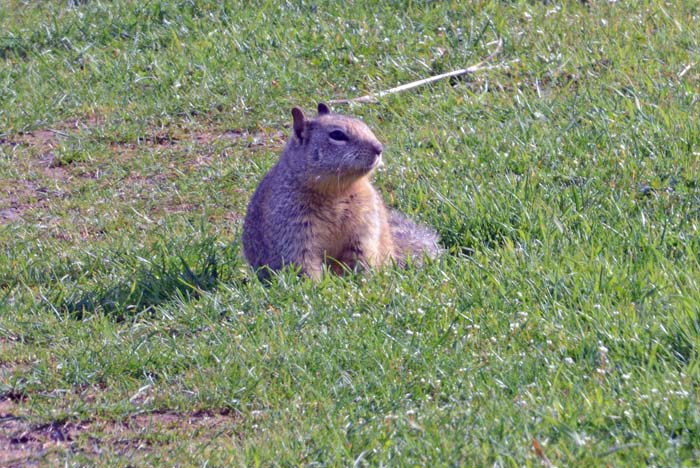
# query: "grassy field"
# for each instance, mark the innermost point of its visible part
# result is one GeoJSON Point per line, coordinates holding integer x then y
{"type": "Point", "coordinates": [561, 329]}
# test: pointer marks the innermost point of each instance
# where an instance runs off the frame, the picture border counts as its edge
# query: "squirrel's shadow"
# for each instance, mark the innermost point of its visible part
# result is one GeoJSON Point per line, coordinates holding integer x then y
{"type": "Point", "coordinates": [161, 281]}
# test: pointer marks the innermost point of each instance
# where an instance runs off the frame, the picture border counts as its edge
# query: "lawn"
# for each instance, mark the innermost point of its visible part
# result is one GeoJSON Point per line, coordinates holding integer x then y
{"type": "Point", "coordinates": [561, 328]}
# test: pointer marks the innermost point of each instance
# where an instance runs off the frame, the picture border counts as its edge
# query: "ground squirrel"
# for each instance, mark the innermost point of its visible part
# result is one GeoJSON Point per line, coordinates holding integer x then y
{"type": "Point", "coordinates": [317, 206]}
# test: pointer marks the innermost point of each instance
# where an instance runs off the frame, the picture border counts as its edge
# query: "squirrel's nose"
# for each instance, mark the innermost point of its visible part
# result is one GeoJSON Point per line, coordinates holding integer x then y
{"type": "Point", "coordinates": [377, 147]}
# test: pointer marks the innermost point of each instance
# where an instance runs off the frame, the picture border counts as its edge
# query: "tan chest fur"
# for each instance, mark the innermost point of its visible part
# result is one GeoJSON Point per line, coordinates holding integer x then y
{"type": "Point", "coordinates": [357, 218]}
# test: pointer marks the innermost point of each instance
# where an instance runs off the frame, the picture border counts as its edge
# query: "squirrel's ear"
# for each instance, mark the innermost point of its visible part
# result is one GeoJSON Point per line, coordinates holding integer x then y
{"type": "Point", "coordinates": [299, 122]}
{"type": "Point", "coordinates": [323, 109]}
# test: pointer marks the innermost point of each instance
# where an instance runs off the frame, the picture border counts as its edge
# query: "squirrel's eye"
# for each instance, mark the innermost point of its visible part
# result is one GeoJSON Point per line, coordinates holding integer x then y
{"type": "Point", "coordinates": [338, 135]}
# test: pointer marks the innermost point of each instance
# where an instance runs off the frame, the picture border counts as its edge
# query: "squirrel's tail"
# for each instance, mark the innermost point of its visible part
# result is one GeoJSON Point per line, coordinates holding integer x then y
{"type": "Point", "coordinates": [412, 239]}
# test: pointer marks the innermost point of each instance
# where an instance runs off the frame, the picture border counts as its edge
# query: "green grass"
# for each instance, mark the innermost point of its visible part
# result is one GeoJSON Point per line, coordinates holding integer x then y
{"type": "Point", "coordinates": [562, 328]}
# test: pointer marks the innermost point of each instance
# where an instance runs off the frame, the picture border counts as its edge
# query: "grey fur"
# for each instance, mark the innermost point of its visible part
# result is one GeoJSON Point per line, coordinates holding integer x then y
{"type": "Point", "coordinates": [310, 192]}
{"type": "Point", "coordinates": [412, 239]}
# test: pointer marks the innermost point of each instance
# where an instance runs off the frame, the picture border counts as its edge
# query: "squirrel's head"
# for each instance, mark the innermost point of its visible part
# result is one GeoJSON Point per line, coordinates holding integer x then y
{"type": "Point", "coordinates": [332, 146]}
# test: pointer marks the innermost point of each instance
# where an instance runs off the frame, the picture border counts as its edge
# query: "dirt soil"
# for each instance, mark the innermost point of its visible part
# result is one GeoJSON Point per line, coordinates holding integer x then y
{"type": "Point", "coordinates": [23, 444]}
{"type": "Point", "coordinates": [42, 176]}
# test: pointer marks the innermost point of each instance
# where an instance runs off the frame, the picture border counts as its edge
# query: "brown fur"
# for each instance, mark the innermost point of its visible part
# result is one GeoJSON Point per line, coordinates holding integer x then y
{"type": "Point", "coordinates": [317, 206]}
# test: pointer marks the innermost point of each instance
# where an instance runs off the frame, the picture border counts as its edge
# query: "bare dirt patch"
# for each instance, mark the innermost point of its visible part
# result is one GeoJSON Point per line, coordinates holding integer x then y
{"type": "Point", "coordinates": [22, 443]}
{"type": "Point", "coordinates": [19, 195]}
{"type": "Point", "coordinates": [39, 173]}
{"type": "Point", "coordinates": [178, 139]}
{"type": "Point", "coordinates": [42, 175]}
